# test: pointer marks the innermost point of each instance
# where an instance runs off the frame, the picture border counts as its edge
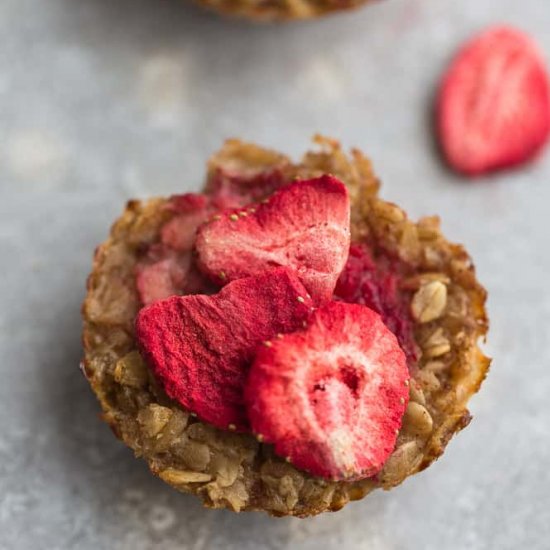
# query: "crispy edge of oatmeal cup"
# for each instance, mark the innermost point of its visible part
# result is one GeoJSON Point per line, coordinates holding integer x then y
{"type": "Point", "coordinates": [234, 470]}
{"type": "Point", "coordinates": [280, 10]}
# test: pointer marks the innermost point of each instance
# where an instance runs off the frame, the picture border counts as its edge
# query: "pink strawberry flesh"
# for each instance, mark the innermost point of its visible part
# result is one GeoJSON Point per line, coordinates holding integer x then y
{"type": "Point", "coordinates": [376, 284]}
{"type": "Point", "coordinates": [164, 272]}
{"type": "Point", "coordinates": [162, 278]}
{"type": "Point", "coordinates": [331, 397]}
{"type": "Point", "coordinates": [494, 103]}
{"type": "Point", "coordinates": [235, 189]}
{"type": "Point", "coordinates": [199, 348]}
{"type": "Point", "coordinates": [304, 226]}
{"type": "Point", "coordinates": [169, 267]}
{"type": "Point", "coordinates": [191, 210]}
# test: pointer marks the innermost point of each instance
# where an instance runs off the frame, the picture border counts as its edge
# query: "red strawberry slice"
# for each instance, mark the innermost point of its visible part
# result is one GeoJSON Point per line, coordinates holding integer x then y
{"type": "Point", "coordinates": [494, 103]}
{"type": "Point", "coordinates": [200, 347]}
{"type": "Point", "coordinates": [303, 226]}
{"type": "Point", "coordinates": [331, 397]}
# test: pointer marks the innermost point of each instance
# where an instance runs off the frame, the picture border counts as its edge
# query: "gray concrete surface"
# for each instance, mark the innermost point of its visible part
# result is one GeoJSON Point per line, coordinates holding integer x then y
{"type": "Point", "coordinates": [102, 100]}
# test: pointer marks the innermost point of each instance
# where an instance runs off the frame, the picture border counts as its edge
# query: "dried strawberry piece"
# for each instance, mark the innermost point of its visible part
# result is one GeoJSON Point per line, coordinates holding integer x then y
{"type": "Point", "coordinates": [200, 347]}
{"type": "Point", "coordinates": [494, 103]}
{"type": "Point", "coordinates": [169, 267]}
{"type": "Point", "coordinates": [376, 285]}
{"type": "Point", "coordinates": [188, 203]}
{"type": "Point", "coordinates": [163, 278]}
{"type": "Point", "coordinates": [165, 272]}
{"type": "Point", "coordinates": [229, 189]}
{"type": "Point", "coordinates": [181, 231]}
{"type": "Point", "coordinates": [331, 397]}
{"type": "Point", "coordinates": [304, 226]}
{"type": "Point", "coordinates": [191, 210]}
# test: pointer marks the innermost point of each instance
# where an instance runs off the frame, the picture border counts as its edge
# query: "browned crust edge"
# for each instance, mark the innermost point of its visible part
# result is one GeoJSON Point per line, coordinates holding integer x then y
{"type": "Point", "coordinates": [264, 11]}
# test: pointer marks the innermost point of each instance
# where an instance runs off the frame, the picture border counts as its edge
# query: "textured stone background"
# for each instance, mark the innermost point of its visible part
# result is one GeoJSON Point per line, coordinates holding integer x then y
{"type": "Point", "coordinates": [102, 100]}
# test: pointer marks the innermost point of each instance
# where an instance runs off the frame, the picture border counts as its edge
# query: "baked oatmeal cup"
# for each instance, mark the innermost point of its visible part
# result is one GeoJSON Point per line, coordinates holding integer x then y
{"type": "Point", "coordinates": [423, 287]}
{"type": "Point", "coordinates": [280, 10]}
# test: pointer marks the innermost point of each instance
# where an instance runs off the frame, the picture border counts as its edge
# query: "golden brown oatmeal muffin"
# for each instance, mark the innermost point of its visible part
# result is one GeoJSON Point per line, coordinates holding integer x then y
{"type": "Point", "coordinates": [277, 10]}
{"type": "Point", "coordinates": [435, 278]}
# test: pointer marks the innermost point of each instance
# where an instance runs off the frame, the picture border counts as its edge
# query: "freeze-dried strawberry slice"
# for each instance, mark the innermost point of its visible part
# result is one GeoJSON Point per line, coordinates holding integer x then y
{"type": "Point", "coordinates": [303, 226]}
{"type": "Point", "coordinates": [494, 103]}
{"type": "Point", "coordinates": [331, 397]}
{"type": "Point", "coordinates": [200, 347]}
